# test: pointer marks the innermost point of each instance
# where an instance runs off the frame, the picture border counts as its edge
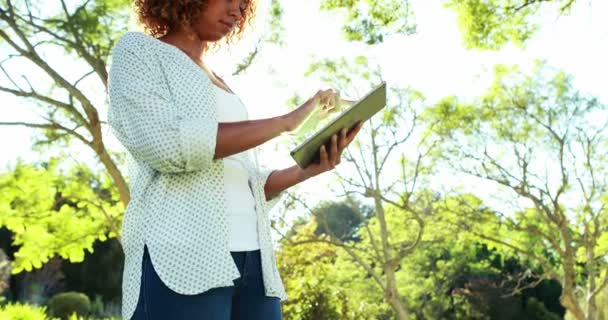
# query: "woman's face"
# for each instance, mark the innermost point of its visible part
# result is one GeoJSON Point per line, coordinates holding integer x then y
{"type": "Point", "coordinates": [218, 19]}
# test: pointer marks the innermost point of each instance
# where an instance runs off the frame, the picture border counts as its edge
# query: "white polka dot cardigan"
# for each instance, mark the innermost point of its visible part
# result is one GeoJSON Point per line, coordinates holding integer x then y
{"type": "Point", "coordinates": [163, 109]}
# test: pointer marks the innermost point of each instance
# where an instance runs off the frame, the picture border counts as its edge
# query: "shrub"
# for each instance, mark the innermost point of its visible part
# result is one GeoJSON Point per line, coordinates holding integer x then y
{"type": "Point", "coordinates": [64, 304]}
{"type": "Point", "coordinates": [23, 312]}
{"type": "Point", "coordinates": [97, 306]}
{"type": "Point", "coordinates": [537, 310]}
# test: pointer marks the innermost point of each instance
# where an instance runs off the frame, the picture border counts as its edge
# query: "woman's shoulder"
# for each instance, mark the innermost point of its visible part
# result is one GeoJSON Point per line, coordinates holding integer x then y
{"type": "Point", "coordinates": [132, 41]}
{"type": "Point", "coordinates": [136, 44]}
{"type": "Point", "coordinates": [133, 54]}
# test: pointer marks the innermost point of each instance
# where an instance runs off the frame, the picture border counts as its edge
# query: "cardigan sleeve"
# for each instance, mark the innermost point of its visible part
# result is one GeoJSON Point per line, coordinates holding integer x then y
{"type": "Point", "coordinates": [144, 118]}
{"type": "Point", "coordinates": [262, 174]}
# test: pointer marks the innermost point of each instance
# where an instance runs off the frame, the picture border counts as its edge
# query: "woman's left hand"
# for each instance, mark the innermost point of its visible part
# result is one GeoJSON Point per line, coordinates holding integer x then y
{"type": "Point", "coordinates": [329, 159]}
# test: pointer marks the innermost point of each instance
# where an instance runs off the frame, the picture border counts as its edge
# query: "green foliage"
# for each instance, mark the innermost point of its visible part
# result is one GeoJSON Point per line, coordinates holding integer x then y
{"type": "Point", "coordinates": [52, 212]}
{"type": "Point", "coordinates": [340, 72]}
{"type": "Point", "coordinates": [97, 305]}
{"type": "Point", "coordinates": [518, 110]}
{"type": "Point", "coordinates": [277, 30]}
{"type": "Point", "coordinates": [98, 275]}
{"type": "Point", "coordinates": [20, 311]}
{"type": "Point", "coordinates": [491, 24]}
{"type": "Point", "coordinates": [65, 304]}
{"type": "Point", "coordinates": [536, 310]}
{"type": "Point", "coordinates": [306, 271]}
{"type": "Point", "coordinates": [95, 24]}
{"type": "Point", "coordinates": [542, 141]}
{"type": "Point", "coordinates": [434, 277]}
{"type": "Point", "coordinates": [339, 220]}
{"type": "Point", "coordinates": [371, 21]}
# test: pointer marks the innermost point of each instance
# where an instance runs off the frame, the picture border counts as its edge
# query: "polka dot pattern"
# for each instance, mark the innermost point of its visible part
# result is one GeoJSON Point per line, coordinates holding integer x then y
{"type": "Point", "coordinates": [163, 109]}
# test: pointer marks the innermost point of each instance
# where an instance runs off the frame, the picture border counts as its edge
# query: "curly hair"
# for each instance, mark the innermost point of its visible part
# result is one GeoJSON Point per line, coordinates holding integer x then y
{"type": "Point", "coordinates": [158, 17]}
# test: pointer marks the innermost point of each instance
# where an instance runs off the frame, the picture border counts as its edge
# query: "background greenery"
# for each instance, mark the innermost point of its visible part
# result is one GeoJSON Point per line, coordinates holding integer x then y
{"type": "Point", "coordinates": [388, 241]}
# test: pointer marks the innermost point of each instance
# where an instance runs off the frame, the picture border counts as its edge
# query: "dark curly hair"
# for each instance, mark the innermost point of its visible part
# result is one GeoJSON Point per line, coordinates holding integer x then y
{"type": "Point", "coordinates": [158, 16]}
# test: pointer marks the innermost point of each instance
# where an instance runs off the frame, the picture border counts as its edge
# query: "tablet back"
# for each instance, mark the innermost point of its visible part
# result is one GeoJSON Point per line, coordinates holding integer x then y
{"type": "Point", "coordinates": [365, 108]}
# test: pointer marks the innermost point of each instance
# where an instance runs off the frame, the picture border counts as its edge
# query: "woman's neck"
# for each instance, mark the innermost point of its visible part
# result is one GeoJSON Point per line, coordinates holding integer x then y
{"type": "Point", "coordinates": [192, 46]}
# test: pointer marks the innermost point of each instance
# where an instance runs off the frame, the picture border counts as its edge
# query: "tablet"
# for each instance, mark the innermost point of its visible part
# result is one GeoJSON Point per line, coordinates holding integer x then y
{"type": "Point", "coordinates": [308, 151]}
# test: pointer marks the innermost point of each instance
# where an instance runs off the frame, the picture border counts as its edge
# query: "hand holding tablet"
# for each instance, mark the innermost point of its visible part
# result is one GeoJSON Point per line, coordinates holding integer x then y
{"type": "Point", "coordinates": [309, 151]}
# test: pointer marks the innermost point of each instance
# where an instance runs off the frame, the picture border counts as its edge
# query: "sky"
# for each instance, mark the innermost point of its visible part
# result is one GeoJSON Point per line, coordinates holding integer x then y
{"type": "Point", "coordinates": [432, 61]}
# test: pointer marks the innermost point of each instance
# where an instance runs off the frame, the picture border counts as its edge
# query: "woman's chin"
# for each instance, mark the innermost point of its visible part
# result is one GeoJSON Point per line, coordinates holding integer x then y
{"type": "Point", "coordinates": [218, 36]}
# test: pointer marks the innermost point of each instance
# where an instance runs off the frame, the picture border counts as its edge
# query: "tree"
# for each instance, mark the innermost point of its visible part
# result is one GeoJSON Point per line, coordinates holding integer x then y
{"type": "Point", "coordinates": [311, 297]}
{"type": "Point", "coordinates": [51, 212]}
{"type": "Point", "coordinates": [450, 275]}
{"type": "Point", "coordinates": [372, 21]}
{"type": "Point", "coordinates": [274, 36]}
{"type": "Point", "coordinates": [5, 272]}
{"type": "Point", "coordinates": [342, 221]}
{"type": "Point", "coordinates": [545, 144]}
{"type": "Point", "coordinates": [86, 31]}
{"type": "Point", "coordinates": [491, 24]}
{"type": "Point", "coordinates": [381, 176]}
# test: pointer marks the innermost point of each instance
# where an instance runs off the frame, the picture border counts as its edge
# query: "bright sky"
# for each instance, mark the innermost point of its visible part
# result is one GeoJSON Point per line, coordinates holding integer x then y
{"type": "Point", "coordinates": [432, 61]}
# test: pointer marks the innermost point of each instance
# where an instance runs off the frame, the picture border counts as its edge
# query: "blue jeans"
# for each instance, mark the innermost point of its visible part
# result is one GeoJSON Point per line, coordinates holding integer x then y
{"type": "Point", "coordinates": [243, 301]}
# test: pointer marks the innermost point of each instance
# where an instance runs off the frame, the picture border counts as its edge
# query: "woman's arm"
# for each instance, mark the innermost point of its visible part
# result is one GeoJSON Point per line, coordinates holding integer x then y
{"type": "Point", "coordinates": [280, 180]}
{"type": "Point", "coordinates": [235, 137]}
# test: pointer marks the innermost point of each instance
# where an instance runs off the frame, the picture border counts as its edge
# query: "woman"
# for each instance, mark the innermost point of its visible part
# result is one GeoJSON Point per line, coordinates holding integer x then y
{"type": "Point", "coordinates": [196, 233]}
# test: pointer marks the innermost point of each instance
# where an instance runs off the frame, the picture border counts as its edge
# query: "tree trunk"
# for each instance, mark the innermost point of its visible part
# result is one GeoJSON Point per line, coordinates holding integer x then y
{"type": "Point", "coordinates": [120, 183]}
{"type": "Point", "coordinates": [117, 177]}
{"type": "Point", "coordinates": [569, 302]}
{"type": "Point", "coordinates": [568, 299]}
{"type": "Point", "coordinates": [591, 275]}
{"type": "Point", "coordinates": [392, 296]}
{"type": "Point", "coordinates": [591, 309]}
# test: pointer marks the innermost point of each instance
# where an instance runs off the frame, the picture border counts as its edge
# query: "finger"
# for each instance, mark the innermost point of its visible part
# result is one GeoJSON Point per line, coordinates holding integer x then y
{"type": "Point", "coordinates": [343, 139]}
{"type": "Point", "coordinates": [334, 149]}
{"type": "Point", "coordinates": [327, 98]}
{"type": "Point", "coordinates": [320, 93]}
{"type": "Point", "coordinates": [353, 132]}
{"type": "Point", "coordinates": [356, 128]}
{"type": "Point", "coordinates": [343, 142]}
{"type": "Point", "coordinates": [323, 156]}
{"type": "Point", "coordinates": [347, 102]}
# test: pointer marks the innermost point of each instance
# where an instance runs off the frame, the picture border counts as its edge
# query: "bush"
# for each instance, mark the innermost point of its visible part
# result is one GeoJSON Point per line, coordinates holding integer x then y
{"type": "Point", "coordinates": [64, 304]}
{"type": "Point", "coordinates": [537, 310]}
{"type": "Point", "coordinates": [97, 306]}
{"type": "Point", "coordinates": [23, 312]}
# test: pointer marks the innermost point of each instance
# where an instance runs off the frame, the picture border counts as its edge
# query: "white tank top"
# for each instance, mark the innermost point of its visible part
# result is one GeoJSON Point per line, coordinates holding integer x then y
{"type": "Point", "coordinates": [242, 217]}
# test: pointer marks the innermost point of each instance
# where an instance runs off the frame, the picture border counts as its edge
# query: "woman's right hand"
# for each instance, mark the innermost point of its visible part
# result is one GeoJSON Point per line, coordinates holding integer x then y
{"type": "Point", "coordinates": [328, 100]}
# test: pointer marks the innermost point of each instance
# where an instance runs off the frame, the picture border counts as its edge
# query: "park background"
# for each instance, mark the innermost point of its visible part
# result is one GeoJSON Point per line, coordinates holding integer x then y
{"type": "Point", "coordinates": [478, 193]}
